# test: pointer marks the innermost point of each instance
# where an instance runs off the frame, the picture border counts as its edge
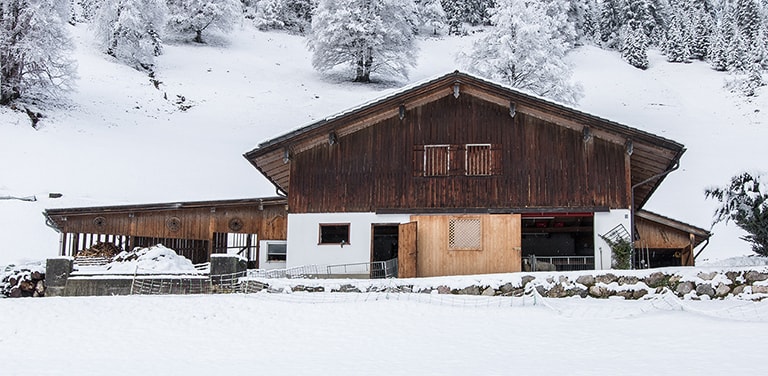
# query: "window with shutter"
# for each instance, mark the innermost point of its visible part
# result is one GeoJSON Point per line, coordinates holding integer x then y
{"type": "Point", "coordinates": [436, 160]}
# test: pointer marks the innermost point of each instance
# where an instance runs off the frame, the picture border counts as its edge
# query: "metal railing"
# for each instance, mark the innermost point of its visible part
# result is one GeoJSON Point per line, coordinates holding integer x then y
{"type": "Point", "coordinates": [373, 270]}
{"type": "Point", "coordinates": [560, 263]}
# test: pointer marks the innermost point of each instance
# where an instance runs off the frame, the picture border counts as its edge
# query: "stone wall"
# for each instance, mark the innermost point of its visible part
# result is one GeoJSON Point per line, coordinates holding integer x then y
{"type": "Point", "coordinates": [687, 283]}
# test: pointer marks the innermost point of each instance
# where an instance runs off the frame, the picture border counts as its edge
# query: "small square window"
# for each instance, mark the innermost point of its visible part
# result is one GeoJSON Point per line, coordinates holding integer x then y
{"type": "Point", "coordinates": [436, 160]}
{"type": "Point", "coordinates": [277, 251]}
{"type": "Point", "coordinates": [479, 160]}
{"type": "Point", "coordinates": [334, 233]}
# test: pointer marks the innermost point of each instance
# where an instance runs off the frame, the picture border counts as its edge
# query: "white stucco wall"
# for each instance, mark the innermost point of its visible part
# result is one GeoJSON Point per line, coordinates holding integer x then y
{"type": "Point", "coordinates": [303, 237]}
{"type": "Point", "coordinates": [269, 265]}
{"type": "Point", "coordinates": [605, 222]}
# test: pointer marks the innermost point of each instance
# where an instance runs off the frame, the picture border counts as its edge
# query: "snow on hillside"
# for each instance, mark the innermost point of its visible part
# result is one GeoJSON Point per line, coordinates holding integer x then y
{"type": "Point", "coordinates": [118, 141]}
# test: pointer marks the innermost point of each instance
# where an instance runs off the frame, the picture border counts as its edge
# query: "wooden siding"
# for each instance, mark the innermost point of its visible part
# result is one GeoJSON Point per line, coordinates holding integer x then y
{"type": "Point", "coordinates": [657, 236]}
{"type": "Point", "coordinates": [500, 251]}
{"type": "Point", "coordinates": [542, 165]}
{"type": "Point", "coordinates": [198, 223]}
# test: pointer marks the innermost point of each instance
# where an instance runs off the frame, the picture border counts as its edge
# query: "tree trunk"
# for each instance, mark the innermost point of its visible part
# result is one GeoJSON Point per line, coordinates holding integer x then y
{"type": "Point", "coordinates": [198, 36]}
{"type": "Point", "coordinates": [364, 65]}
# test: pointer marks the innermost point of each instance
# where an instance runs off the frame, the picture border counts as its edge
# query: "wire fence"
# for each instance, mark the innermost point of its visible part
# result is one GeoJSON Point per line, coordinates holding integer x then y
{"type": "Point", "coordinates": [373, 270]}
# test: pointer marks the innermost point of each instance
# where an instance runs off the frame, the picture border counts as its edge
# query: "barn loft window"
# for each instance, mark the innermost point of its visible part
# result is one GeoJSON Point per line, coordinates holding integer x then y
{"type": "Point", "coordinates": [465, 234]}
{"type": "Point", "coordinates": [337, 233]}
{"type": "Point", "coordinates": [436, 160]}
{"type": "Point", "coordinates": [277, 251]}
{"type": "Point", "coordinates": [478, 160]}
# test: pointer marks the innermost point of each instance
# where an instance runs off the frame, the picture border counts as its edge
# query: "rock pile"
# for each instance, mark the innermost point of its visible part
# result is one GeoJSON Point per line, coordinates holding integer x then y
{"type": "Point", "coordinates": [23, 283]}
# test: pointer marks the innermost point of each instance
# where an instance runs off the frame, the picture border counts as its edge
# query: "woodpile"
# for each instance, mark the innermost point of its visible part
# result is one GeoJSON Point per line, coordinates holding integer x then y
{"type": "Point", "coordinates": [106, 250]}
{"type": "Point", "coordinates": [23, 283]}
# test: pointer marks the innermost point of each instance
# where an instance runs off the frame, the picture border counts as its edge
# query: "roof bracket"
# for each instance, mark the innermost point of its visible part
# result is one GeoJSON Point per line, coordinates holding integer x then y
{"type": "Point", "coordinates": [401, 111]}
{"type": "Point", "coordinates": [512, 109]}
{"type": "Point", "coordinates": [456, 90]}
{"type": "Point", "coordinates": [333, 138]}
{"type": "Point", "coordinates": [586, 133]}
{"type": "Point", "coordinates": [630, 146]}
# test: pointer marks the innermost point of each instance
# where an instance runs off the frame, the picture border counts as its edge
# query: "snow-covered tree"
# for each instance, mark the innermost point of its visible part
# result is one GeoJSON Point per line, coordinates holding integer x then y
{"type": "Point", "coordinates": [634, 46]}
{"type": "Point", "coordinates": [610, 22]}
{"type": "Point", "coordinates": [524, 51]}
{"type": "Point", "coordinates": [370, 35]}
{"type": "Point", "coordinates": [703, 29]}
{"type": "Point", "coordinates": [745, 202]}
{"type": "Point", "coordinates": [130, 30]}
{"type": "Point", "coordinates": [431, 15]}
{"type": "Point", "coordinates": [293, 15]}
{"type": "Point", "coordinates": [34, 50]}
{"type": "Point", "coordinates": [676, 43]}
{"type": "Point", "coordinates": [193, 17]}
{"type": "Point", "coordinates": [718, 58]}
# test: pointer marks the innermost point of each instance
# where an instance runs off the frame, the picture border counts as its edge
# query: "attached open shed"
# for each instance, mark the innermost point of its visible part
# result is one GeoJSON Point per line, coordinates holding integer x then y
{"type": "Point", "coordinates": [663, 241]}
{"type": "Point", "coordinates": [193, 229]}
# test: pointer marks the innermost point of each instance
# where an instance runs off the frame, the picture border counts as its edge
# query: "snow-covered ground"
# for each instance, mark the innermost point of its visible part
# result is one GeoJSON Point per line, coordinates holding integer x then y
{"type": "Point", "coordinates": [375, 334]}
{"type": "Point", "coordinates": [119, 141]}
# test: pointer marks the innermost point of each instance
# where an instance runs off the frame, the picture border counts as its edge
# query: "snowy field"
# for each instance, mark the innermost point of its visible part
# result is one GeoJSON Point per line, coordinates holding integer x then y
{"type": "Point", "coordinates": [370, 334]}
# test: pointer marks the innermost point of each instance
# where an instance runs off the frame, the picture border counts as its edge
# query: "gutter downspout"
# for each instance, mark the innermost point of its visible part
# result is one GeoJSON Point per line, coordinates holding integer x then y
{"type": "Point", "coordinates": [632, 205]}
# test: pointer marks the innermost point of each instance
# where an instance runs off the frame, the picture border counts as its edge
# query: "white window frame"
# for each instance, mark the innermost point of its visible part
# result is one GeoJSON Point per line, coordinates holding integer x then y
{"type": "Point", "coordinates": [466, 159]}
{"type": "Point", "coordinates": [447, 159]}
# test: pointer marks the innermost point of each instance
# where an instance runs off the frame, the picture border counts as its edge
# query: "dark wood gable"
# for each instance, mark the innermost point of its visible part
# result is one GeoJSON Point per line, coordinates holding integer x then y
{"type": "Point", "coordinates": [488, 149]}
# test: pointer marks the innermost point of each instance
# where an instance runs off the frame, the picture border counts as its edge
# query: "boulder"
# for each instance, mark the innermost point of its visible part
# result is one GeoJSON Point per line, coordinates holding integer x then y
{"type": "Point", "coordinates": [753, 276]}
{"type": "Point", "coordinates": [759, 289]}
{"type": "Point", "coordinates": [489, 292]}
{"type": "Point", "coordinates": [442, 289]}
{"type": "Point", "coordinates": [469, 290]}
{"type": "Point", "coordinates": [707, 276]}
{"type": "Point", "coordinates": [598, 292]}
{"type": "Point", "coordinates": [722, 290]}
{"type": "Point", "coordinates": [586, 280]}
{"type": "Point", "coordinates": [526, 279]}
{"type": "Point", "coordinates": [557, 291]}
{"type": "Point", "coordinates": [639, 294]}
{"type": "Point", "coordinates": [738, 289]}
{"type": "Point", "coordinates": [607, 278]}
{"type": "Point", "coordinates": [577, 291]}
{"type": "Point", "coordinates": [507, 288]}
{"type": "Point", "coordinates": [684, 288]}
{"type": "Point", "coordinates": [655, 279]}
{"type": "Point", "coordinates": [628, 280]}
{"type": "Point", "coordinates": [705, 289]}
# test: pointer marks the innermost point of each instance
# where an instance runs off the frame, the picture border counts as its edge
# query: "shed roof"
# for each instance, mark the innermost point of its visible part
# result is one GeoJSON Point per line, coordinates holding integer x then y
{"type": "Point", "coordinates": [651, 155]}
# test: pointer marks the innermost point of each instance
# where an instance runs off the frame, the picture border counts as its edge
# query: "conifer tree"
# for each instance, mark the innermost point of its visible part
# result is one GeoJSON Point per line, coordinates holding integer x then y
{"type": "Point", "coordinates": [676, 45]}
{"type": "Point", "coordinates": [634, 45]}
{"type": "Point", "coordinates": [611, 21]}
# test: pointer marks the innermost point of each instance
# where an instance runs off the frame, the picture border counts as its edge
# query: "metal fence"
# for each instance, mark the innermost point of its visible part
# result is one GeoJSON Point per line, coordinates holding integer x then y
{"type": "Point", "coordinates": [560, 263]}
{"type": "Point", "coordinates": [373, 270]}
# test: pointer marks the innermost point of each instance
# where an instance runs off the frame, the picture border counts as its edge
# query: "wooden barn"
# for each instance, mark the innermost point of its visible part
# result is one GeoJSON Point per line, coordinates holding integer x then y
{"type": "Point", "coordinates": [455, 175]}
{"type": "Point", "coordinates": [193, 229]}
{"type": "Point", "coordinates": [458, 175]}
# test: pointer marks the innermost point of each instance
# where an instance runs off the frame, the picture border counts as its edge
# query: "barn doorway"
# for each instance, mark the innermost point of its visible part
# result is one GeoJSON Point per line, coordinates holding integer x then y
{"type": "Point", "coordinates": [384, 241]}
{"type": "Point", "coordinates": [558, 241]}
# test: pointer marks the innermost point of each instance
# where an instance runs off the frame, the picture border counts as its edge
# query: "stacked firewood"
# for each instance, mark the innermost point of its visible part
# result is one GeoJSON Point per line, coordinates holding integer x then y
{"type": "Point", "coordinates": [106, 250]}
{"type": "Point", "coordinates": [23, 283]}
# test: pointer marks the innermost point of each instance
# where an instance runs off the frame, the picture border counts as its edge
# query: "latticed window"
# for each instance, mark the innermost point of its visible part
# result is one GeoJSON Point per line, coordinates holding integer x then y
{"type": "Point", "coordinates": [436, 160]}
{"type": "Point", "coordinates": [465, 233]}
{"type": "Point", "coordinates": [479, 160]}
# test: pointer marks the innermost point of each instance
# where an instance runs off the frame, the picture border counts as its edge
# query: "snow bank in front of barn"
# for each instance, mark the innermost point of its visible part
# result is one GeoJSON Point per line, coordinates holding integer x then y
{"type": "Point", "coordinates": [153, 259]}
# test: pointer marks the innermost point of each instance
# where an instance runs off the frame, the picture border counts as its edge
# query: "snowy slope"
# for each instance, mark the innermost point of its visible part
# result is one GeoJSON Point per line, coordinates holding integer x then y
{"type": "Point", "coordinates": [119, 141]}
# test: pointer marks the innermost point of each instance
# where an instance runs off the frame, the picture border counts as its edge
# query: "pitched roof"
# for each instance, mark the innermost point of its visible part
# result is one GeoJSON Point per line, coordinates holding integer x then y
{"type": "Point", "coordinates": [651, 155]}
